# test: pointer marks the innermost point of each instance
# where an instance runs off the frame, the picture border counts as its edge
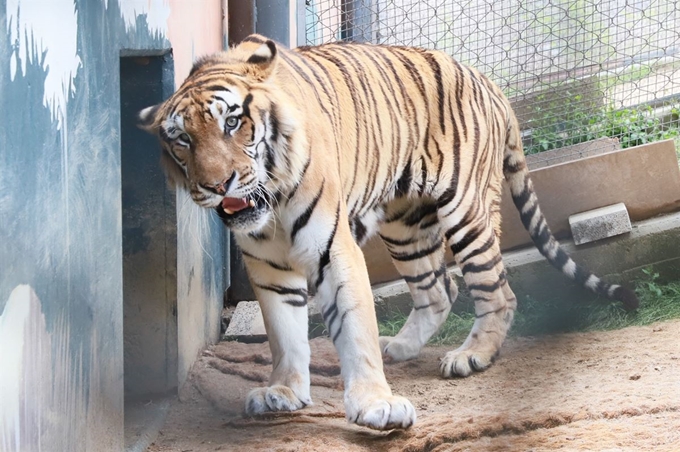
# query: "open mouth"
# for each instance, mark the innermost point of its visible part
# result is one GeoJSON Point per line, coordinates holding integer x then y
{"type": "Point", "coordinates": [233, 205]}
{"type": "Point", "coordinates": [241, 207]}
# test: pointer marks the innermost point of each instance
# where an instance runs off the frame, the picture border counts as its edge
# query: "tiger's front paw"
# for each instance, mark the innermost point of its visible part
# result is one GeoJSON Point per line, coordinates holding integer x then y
{"type": "Point", "coordinates": [381, 412]}
{"type": "Point", "coordinates": [274, 398]}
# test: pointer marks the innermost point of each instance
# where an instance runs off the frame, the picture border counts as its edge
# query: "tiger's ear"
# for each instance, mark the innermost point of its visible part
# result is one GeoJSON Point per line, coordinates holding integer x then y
{"type": "Point", "coordinates": [263, 58]}
{"type": "Point", "coordinates": [147, 119]}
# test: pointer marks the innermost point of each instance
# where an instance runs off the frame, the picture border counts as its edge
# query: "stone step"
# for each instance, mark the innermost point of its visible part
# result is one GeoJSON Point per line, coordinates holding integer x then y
{"type": "Point", "coordinates": [598, 224]}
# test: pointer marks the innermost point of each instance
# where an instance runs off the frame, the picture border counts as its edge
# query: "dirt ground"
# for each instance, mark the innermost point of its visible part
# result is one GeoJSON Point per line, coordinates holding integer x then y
{"type": "Point", "coordinates": [601, 391]}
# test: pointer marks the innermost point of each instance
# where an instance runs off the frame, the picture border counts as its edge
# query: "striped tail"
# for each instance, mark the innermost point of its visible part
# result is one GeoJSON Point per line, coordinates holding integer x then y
{"type": "Point", "coordinates": [523, 195]}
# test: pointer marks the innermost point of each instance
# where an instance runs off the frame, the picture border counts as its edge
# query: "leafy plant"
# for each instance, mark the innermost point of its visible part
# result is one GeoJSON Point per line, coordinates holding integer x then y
{"type": "Point", "coordinates": [555, 126]}
{"type": "Point", "coordinates": [658, 301]}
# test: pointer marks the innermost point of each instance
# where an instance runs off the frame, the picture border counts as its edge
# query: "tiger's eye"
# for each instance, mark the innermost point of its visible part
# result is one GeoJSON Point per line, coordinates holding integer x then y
{"type": "Point", "coordinates": [185, 137]}
{"type": "Point", "coordinates": [232, 122]}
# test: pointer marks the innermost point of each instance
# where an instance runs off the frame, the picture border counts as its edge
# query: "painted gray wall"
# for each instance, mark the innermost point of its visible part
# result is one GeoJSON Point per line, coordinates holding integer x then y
{"type": "Point", "coordinates": [61, 297]}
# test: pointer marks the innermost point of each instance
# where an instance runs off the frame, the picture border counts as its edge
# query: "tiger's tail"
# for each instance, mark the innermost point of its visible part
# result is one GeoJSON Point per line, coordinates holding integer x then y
{"type": "Point", "coordinates": [523, 195]}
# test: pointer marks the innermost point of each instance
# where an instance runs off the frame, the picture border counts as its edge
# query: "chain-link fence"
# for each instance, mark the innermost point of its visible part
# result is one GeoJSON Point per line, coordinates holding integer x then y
{"type": "Point", "coordinates": [587, 75]}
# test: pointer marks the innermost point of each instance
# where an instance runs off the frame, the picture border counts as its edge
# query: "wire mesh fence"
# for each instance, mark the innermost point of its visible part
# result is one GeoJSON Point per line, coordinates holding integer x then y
{"type": "Point", "coordinates": [587, 75]}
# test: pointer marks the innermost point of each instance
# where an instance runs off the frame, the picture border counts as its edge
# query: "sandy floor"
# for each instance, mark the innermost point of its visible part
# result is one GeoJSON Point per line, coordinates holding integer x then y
{"type": "Point", "coordinates": [604, 391]}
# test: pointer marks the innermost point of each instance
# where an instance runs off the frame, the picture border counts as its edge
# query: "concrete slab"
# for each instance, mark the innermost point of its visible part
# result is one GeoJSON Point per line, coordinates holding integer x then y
{"type": "Point", "coordinates": [246, 321]}
{"type": "Point", "coordinates": [599, 223]}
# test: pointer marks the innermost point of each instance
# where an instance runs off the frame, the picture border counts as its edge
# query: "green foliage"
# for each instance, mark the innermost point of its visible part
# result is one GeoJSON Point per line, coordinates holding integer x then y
{"type": "Point", "coordinates": [556, 126]}
{"type": "Point", "coordinates": [658, 302]}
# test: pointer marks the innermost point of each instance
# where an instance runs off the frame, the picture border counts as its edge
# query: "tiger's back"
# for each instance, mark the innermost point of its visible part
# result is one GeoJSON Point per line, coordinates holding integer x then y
{"type": "Point", "coordinates": [406, 122]}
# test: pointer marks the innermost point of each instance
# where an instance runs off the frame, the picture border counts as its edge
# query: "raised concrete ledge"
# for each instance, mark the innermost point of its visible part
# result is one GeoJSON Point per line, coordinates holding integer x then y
{"type": "Point", "coordinates": [619, 259]}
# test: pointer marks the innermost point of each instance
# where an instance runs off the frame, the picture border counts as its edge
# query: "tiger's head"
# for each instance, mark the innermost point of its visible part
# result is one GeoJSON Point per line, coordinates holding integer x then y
{"type": "Point", "coordinates": [225, 133]}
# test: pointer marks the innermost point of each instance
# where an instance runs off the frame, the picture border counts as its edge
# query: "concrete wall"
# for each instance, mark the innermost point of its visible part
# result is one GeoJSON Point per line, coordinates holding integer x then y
{"type": "Point", "coordinates": [61, 296]}
{"type": "Point", "coordinates": [646, 178]}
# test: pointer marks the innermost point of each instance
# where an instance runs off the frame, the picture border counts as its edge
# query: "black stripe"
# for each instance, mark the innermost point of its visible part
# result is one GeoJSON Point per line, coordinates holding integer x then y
{"type": "Point", "coordinates": [304, 171]}
{"type": "Point", "coordinates": [397, 242]}
{"type": "Point", "coordinates": [281, 290]}
{"type": "Point", "coordinates": [448, 195]}
{"type": "Point", "coordinates": [359, 230]}
{"type": "Point", "coordinates": [296, 303]}
{"type": "Point", "coordinates": [450, 192]}
{"type": "Point", "coordinates": [332, 311]}
{"type": "Point", "coordinates": [513, 168]}
{"type": "Point", "coordinates": [485, 287]}
{"type": "Point", "coordinates": [430, 223]}
{"type": "Point", "coordinates": [521, 199]}
{"type": "Point", "coordinates": [359, 110]}
{"type": "Point", "coordinates": [397, 215]}
{"type": "Point", "coordinates": [269, 156]}
{"type": "Point", "coordinates": [447, 285]}
{"type": "Point", "coordinates": [404, 181]}
{"type": "Point", "coordinates": [459, 93]}
{"type": "Point", "coordinates": [417, 278]}
{"type": "Point", "coordinates": [454, 229]}
{"type": "Point", "coordinates": [437, 71]}
{"type": "Point", "coordinates": [561, 258]}
{"type": "Point", "coordinates": [253, 38]}
{"type": "Point", "coordinates": [258, 59]}
{"type": "Point", "coordinates": [217, 87]}
{"type": "Point", "coordinates": [581, 276]}
{"type": "Point", "coordinates": [429, 285]}
{"type": "Point", "coordinates": [466, 241]}
{"type": "Point", "coordinates": [482, 249]}
{"type": "Point", "coordinates": [403, 257]}
{"type": "Point", "coordinates": [425, 306]}
{"type": "Point", "coordinates": [303, 219]}
{"type": "Point", "coordinates": [274, 122]}
{"type": "Point", "coordinates": [298, 70]}
{"type": "Point", "coordinates": [420, 212]}
{"type": "Point", "coordinates": [258, 236]}
{"type": "Point", "coordinates": [478, 268]}
{"type": "Point", "coordinates": [423, 175]}
{"type": "Point", "coordinates": [246, 105]}
{"type": "Point", "coordinates": [528, 215]}
{"type": "Point", "coordinates": [342, 321]}
{"type": "Point", "coordinates": [326, 256]}
{"type": "Point", "coordinates": [479, 316]}
{"type": "Point", "coordinates": [543, 237]}
{"type": "Point", "coordinates": [282, 267]}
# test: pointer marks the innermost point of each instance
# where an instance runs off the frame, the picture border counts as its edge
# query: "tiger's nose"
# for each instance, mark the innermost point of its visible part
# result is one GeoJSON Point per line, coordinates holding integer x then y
{"type": "Point", "coordinates": [221, 188]}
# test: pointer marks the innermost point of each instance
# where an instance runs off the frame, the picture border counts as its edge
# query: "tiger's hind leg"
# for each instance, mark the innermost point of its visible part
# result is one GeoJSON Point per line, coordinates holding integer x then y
{"type": "Point", "coordinates": [475, 245]}
{"type": "Point", "coordinates": [413, 237]}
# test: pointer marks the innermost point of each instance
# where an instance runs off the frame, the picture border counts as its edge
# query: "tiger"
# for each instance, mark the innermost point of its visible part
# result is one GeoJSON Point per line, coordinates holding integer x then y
{"type": "Point", "coordinates": [306, 153]}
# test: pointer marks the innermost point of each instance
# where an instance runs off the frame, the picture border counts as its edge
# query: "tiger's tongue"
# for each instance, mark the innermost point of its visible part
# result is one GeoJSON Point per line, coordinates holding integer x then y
{"type": "Point", "coordinates": [234, 204]}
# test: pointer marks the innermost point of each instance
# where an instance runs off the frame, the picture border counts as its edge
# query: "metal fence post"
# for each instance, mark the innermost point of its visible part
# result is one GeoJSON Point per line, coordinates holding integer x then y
{"type": "Point", "coordinates": [358, 18]}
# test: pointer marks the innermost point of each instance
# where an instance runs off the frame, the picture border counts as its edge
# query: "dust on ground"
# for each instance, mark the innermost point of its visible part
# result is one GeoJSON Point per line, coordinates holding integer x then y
{"type": "Point", "coordinates": [614, 390]}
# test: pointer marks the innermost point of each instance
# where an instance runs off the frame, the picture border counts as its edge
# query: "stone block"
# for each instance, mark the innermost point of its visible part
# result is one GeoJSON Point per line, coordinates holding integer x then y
{"type": "Point", "coordinates": [246, 321]}
{"type": "Point", "coordinates": [599, 223]}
